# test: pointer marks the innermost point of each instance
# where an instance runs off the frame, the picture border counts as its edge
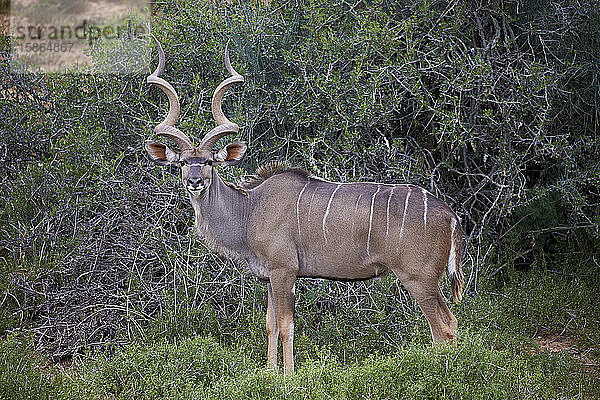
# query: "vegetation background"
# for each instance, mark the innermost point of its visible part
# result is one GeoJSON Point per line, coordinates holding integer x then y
{"type": "Point", "coordinates": [105, 291]}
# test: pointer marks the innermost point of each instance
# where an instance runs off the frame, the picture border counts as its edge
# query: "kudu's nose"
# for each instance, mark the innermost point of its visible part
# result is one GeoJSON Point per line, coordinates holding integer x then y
{"type": "Point", "coordinates": [194, 182]}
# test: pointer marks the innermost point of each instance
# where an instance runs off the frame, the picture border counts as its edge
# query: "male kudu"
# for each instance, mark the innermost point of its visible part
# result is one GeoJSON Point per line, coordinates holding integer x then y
{"type": "Point", "coordinates": [287, 224]}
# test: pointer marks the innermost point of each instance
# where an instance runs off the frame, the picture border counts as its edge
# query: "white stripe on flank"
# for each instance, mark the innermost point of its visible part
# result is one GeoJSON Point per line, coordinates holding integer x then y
{"type": "Point", "coordinates": [311, 203]}
{"type": "Point", "coordinates": [424, 206]}
{"type": "Point", "coordinates": [452, 256]}
{"type": "Point", "coordinates": [355, 211]}
{"type": "Point", "coordinates": [356, 205]}
{"type": "Point", "coordinates": [371, 220]}
{"type": "Point", "coordinates": [387, 214]}
{"type": "Point", "coordinates": [298, 205]}
{"type": "Point", "coordinates": [327, 212]}
{"type": "Point", "coordinates": [405, 210]}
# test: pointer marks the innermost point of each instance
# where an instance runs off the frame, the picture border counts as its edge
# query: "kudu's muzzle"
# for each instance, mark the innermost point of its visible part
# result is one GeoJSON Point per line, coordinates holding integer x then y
{"type": "Point", "coordinates": [195, 185]}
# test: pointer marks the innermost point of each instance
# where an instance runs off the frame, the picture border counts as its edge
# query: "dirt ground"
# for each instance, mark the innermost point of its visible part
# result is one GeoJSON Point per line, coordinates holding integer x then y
{"type": "Point", "coordinates": [560, 343]}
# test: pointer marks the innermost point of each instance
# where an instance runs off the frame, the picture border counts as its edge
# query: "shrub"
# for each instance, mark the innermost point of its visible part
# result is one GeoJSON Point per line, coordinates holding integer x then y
{"type": "Point", "coordinates": [484, 106]}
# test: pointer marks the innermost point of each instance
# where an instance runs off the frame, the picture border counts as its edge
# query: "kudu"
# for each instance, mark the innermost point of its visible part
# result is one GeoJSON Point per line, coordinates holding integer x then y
{"type": "Point", "coordinates": [287, 224]}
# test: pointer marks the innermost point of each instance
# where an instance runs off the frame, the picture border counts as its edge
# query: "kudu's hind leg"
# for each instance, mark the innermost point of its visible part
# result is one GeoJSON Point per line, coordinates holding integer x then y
{"type": "Point", "coordinates": [442, 322]}
{"type": "Point", "coordinates": [283, 295]}
{"type": "Point", "coordinates": [448, 317]}
{"type": "Point", "coordinates": [272, 331]}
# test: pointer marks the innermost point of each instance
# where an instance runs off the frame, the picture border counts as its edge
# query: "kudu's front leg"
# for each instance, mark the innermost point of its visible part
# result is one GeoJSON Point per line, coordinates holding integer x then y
{"type": "Point", "coordinates": [272, 331]}
{"type": "Point", "coordinates": [282, 284]}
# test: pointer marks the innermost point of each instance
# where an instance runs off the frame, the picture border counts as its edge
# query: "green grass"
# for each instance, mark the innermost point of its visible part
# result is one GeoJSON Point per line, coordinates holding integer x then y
{"type": "Point", "coordinates": [378, 91]}
{"type": "Point", "coordinates": [495, 358]}
{"type": "Point", "coordinates": [539, 305]}
{"type": "Point", "coordinates": [22, 375]}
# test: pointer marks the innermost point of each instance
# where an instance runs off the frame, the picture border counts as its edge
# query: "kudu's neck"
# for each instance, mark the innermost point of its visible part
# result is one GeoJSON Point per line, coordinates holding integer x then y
{"type": "Point", "coordinates": [222, 217]}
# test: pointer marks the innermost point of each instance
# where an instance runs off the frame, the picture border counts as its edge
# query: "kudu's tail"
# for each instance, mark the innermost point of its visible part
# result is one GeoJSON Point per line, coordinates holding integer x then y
{"type": "Point", "coordinates": [457, 278]}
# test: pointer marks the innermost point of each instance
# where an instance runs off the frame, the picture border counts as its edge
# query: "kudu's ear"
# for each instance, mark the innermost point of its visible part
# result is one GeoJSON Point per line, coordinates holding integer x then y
{"type": "Point", "coordinates": [160, 154]}
{"type": "Point", "coordinates": [231, 154]}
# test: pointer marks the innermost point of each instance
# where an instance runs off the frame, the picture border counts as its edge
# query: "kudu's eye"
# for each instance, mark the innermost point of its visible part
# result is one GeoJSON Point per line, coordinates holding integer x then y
{"type": "Point", "coordinates": [181, 163]}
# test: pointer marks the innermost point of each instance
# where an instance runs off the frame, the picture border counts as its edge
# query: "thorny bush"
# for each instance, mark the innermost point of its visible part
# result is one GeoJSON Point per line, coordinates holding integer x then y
{"type": "Point", "coordinates": [492, 106]}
